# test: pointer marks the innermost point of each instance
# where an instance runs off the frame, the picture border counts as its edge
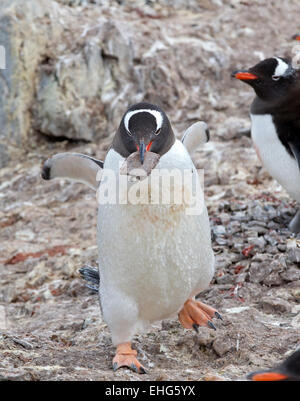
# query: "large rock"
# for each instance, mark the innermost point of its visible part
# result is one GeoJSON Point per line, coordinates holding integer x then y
{"type": "Point", "coordinates": [72, 71]}
{"type": "Point", "coordinates": [74, 66]}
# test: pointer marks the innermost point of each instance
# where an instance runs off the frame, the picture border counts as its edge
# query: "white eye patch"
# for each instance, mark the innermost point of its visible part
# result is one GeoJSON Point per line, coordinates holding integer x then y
{"type": "Point", "coordinates": [281, 68]}
{"type": "Point", "coordinates": [155, 113]}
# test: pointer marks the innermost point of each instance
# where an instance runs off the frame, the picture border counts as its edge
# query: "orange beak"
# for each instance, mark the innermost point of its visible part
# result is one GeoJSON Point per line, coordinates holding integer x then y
{"type": "Point", "coordinates": [296, 37]}
{"type": "Point", "coordinates": [268, 376]}
{"type": "Point", "coordinates": [244, 75]}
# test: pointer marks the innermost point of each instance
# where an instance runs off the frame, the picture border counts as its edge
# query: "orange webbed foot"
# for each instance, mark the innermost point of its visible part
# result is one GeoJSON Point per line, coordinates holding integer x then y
{"type": "Point", "coordinates": [195, 314]}
{"type": "Point", "coordinates": [126, 357]}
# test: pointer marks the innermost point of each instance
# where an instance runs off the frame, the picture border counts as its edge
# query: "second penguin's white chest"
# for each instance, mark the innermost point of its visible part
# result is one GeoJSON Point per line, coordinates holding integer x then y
{"type": "Point", "coordinates": [273, 155]}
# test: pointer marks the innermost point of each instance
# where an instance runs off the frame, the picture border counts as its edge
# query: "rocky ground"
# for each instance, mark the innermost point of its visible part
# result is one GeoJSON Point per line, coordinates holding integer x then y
{"type": "Point", "coordinates": [50, 324]}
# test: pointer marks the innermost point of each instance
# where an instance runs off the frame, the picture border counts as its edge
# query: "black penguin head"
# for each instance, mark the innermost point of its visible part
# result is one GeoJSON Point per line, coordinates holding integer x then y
{"type": "Point", "coordinates": [271, 78]}
{"type": "Point", "coordinates": [144, 127]}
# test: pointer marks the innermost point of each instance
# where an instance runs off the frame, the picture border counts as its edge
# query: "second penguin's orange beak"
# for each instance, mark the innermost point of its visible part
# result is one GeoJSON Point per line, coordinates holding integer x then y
{"type": "Point", "coordinates": [244, 75]}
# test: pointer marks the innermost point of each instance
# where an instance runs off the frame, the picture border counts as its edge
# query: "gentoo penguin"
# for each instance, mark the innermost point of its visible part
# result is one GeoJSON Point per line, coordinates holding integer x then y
{"type": "Point", "coordinates": [288, 370]}
{"type": "Point", "coordinates": [153, 258]}
{"type": "Point", "coordinates": [275, 115]}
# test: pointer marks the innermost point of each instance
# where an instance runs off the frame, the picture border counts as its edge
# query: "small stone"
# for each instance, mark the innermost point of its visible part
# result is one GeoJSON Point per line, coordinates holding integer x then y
{"type": "Point", "coordinates": [23, 343]}
{"type": "Point", "coordinates": [259, 271]}
{"type": "Point", "coordinates": [222, 345]}
{"type": "Point", "coordinates": [221, 241]}
{"type": "Point", "coordinates": [219, 230]}
{"type": "Point", "coordinates": [275, 305]}
{"type": "Point", "coordinates": [258, 242]}
{"type": "Point", "coordinates": [240, 216]}
{"type": "Point", "coordinates": [294, 255]}
{"type": "Point", "coordinates": [296, 294]}
{"type": "Point", "coordinates": [225, 279]}
{"type": "Point", "coordinates": [260, 229]}
{"type": "Point", "coordinates": [213, 378]}
{"type": "Point", "coordinates": [270, 240]}
{"type": "Point", "coordinates": [292, 274]}
{"type": "Point", "coordinates": [205, 337]}
{"type": "Point", "coordinates": [281, 247]}
{"type": "Point", "coordinates": [132, 165]}
{"type": "Point", "coordinates": [273, 279]}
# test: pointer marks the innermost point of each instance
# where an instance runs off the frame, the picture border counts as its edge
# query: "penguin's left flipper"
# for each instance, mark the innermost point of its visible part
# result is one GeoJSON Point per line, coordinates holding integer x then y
{"type": "Point", "coordinates": [195, 314]}
{"type": "Point", "coordinates": [195, 136]}
{"type": "Point", "coordinates": [75, 166]}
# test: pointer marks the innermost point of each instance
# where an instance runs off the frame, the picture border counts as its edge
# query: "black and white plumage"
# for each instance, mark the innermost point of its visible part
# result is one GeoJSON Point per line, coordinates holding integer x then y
{"type": "Point", "coordinates": [275, 116]}
{"type": "Point", "coordinates": [149, 257]}
{"type": "Point", "coordinates": [153, 259]}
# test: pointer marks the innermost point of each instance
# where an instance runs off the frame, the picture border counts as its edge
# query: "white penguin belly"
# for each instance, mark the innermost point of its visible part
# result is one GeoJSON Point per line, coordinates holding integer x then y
{"type": "Point", "coordinates": [275, 158]}
{"type": "Point", "coordinates": [156, 255]}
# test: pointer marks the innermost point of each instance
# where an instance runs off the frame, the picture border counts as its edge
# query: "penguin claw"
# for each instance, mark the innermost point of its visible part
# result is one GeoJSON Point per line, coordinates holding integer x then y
{"type": "Point", "coordinates": [135, 367]}
{"type": "Point", "coordinates": [211, 325]}
{"type": "Point", "coordinates": [196, 327]}
{"type": "Point", "coordinates": [195, 314]}
{"type": "Point", "coordinates": [218, 316]}
{"type": "Point", "coordinates": [126, 358]}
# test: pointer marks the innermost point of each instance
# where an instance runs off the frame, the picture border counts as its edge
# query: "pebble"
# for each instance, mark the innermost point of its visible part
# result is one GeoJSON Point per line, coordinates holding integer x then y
{"type": "Point", "coordinates": [275, 305]}
{"type": "Point", "coordinates": [225, 279]}
{"type": "Point", "coordinates": [270, 240]}
{"type": "Point", "coordinates": [222, 345]}
{"type": "Point", "coordinates": [296, 294]}
{"type": "Point", "coordinates": [294, 255]}
{"type": "Point", "coordinates": [259, 271]}
{"type": "Point", "coordinates": [292, 274]}
{"type": "Point", "coordinates": [219, 230]}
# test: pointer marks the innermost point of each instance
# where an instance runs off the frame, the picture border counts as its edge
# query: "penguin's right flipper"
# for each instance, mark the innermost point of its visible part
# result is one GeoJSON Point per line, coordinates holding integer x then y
{"type": "Point", "coordinates": [75, 166]}
{"type": "Point", "coordinates": [294, 225]}
{"type": "Point", "coordinates": [196, 135]}
{"type": "Point", "coordinates": [91, 275]}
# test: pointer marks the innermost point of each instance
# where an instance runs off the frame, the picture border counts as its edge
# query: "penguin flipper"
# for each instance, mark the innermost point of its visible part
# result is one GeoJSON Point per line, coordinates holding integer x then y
{"type": "Point", "coordinates": [92, 276]}
{"type": "Point", "coordinates": [75, 166]}
{"type": "Point", "coordinates": [295, 148]}
{"type": "Point", "coordinates": [197, 134]}
{"type": "Point", "coordinates": [294, 225]}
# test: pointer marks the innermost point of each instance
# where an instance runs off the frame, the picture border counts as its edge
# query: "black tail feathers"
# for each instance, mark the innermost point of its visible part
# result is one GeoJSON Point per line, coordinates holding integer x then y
{"type": "Point", "coordinates": [91, 275]}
